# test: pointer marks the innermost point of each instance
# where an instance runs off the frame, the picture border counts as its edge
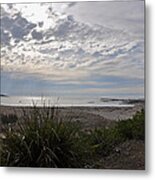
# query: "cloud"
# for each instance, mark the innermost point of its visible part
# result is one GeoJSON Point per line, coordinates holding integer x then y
{"type": "Point", "coordinates": [125, 15]}
{"type": "Point", "coordinates": [37, 35]}
{"type": "Point", "coordinates": [15, 26]}
{"type": "Point", "coordinates": [58, 46]}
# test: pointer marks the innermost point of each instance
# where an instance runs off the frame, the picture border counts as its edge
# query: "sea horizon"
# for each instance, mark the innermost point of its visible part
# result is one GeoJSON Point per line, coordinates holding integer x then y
{"type": "Point", "coordinates": [67, 101]}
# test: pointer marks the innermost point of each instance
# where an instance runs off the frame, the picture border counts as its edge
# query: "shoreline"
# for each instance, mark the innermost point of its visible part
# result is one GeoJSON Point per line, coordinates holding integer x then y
{"type": "Point", "coordinates": [71, 106]}
{"type": "Point", "coordinates": [71, 102]}
{"type": "Point", "coordinates": [89, 116]}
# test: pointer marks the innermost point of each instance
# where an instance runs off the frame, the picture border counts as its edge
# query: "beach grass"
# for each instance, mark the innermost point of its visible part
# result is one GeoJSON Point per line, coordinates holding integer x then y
{"type": "Point", "coordinates": [41, 138]}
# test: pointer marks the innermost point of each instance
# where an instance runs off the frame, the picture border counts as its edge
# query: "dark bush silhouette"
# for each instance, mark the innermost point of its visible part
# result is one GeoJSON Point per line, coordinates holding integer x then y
{"type": "Point", "coordinates": [6, 119]}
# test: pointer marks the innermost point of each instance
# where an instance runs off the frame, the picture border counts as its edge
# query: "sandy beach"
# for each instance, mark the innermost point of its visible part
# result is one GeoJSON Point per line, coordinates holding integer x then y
{"type": "Point", "coordinates": [90, 117]}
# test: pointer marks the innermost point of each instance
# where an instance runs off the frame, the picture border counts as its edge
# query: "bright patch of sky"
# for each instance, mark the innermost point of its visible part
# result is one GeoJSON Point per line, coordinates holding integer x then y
{"type": "Point", "coordinates": [84, 48]}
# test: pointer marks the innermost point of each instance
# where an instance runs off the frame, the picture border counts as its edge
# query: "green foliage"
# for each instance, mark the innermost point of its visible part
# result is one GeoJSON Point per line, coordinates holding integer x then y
{"type": "Point", "coordinates": [42, 139]}
{"type": "Point", "coordinates": [6, 119]}
{"type": "Point", "coordinates": [105, 140]}
{"type": "Point", "coordinates": [133, 128]}
{"type": "Point", "coordinates": [46, 142]}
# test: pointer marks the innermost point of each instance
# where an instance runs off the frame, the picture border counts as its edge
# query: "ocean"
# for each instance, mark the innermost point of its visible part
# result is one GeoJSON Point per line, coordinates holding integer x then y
{"type": "Point", "coordinates": [60, 101]}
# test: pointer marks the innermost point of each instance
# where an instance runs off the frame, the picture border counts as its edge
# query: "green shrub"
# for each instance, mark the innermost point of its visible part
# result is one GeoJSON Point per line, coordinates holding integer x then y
{"type": "Point", "coordinates": [133, 128]}
{"type": "Point", "coordinates": [42, 141]}
{"type": "Point", "coordinates": [104, 141]}
{"type": "Point", "coordinates": [6, 119]}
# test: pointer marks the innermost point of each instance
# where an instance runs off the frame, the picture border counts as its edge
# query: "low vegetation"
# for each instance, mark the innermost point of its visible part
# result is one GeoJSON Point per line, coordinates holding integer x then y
{"type": "Point", "coordinates": [106, 140]}
{"type": "Point", "coordinates": [6, 119]}
{"type": "Point", "coordinates": [42, 139]}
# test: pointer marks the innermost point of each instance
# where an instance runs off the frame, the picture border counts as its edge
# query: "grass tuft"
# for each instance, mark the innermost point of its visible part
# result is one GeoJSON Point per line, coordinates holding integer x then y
{"type": "Point", "coordinates": [40, 138]}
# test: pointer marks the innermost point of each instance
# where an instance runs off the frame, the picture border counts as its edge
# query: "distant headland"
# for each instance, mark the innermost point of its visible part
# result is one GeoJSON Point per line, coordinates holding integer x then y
{"type": "Point", "coordinates": [3, 95]}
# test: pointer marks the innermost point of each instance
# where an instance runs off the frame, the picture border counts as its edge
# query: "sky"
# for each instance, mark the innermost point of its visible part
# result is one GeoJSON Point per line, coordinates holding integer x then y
{"type": "Point", "coordinates": [73, 49]}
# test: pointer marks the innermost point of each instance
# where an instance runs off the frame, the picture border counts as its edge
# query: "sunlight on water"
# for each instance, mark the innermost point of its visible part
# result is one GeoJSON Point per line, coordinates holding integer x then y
{"type": "Point", "coordinates": [57, 101]}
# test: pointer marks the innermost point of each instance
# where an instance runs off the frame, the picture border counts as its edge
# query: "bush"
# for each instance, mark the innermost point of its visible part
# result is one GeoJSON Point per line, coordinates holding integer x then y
{"type": "Point", "coordinates": [133, 128]}
{"type": "Point", "coordinates": [104, 141]}
{"type": "Point", "coordinates": [42, 141]}
{"type": "Point", "coordinates": [6, 119]}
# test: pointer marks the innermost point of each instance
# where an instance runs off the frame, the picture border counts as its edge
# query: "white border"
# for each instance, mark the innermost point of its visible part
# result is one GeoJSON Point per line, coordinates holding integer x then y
{"type": "Point", "coordinates": [27, 1]}
{"type": "Point", "coordinates": [69, 174]}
